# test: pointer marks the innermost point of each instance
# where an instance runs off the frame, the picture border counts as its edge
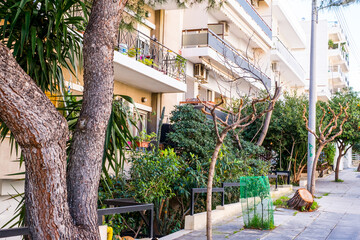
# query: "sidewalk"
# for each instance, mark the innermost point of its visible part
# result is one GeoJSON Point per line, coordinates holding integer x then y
{"type": "Point", "coordinates": [337, 218]}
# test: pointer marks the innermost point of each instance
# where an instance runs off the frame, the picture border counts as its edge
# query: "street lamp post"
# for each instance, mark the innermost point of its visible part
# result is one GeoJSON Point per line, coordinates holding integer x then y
{"type": "Point", "coordinates": [312, 96]}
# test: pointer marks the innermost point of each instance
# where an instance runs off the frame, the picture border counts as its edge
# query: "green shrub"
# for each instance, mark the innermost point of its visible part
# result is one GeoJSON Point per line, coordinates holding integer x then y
{"type": "Point", "coordinates": [281, 202]}
{"type": "Point", "coordinates": [153, 175]}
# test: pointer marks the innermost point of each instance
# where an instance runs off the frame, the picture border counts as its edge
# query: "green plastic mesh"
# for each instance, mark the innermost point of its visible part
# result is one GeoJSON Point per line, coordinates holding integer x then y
{"type": "Point", "coordinates": [256, 203]}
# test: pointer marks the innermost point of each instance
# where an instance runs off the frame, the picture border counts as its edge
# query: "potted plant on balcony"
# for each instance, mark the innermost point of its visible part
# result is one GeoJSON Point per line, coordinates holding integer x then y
{"type": "Point", "coordinates": [180, 64]}
{"type": "Point", "coordinates": [147, 61]}
{"type": "Point", "coordinates": [144, 139]}
{"type": "Point", "coordinates": [132, 52]}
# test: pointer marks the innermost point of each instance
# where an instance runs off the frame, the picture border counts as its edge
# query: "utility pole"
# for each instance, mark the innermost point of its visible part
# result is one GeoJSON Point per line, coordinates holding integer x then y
{"type": "Point", "coordinates": [312, 95]}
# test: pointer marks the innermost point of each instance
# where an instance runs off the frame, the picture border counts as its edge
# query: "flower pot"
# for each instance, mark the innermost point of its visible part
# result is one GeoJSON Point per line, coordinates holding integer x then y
{"type": "Point", "coordinates": [143, 144]}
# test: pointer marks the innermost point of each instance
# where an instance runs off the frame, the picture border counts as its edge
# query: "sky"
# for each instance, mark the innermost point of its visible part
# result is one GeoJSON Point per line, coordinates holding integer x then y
{"type": "Point", "coordinates": [350, 15]}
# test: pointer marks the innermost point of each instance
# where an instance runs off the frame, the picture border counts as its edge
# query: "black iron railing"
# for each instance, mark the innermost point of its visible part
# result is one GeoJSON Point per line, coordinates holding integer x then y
{"type": "Point", "coordinates": [124, 206]}
{"type": "Point", "coordinates": [276, 174]}
{"type": "Point", "coordinates": [149, 51]}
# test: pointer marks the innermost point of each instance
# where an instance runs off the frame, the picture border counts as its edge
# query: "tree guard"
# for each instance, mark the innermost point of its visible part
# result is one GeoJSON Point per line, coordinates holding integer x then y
{"type": "Point", "coordinates": [256, 202]}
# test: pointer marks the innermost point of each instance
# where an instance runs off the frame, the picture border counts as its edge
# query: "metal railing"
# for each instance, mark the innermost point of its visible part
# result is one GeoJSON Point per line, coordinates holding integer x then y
{"type": "Point", "coordinates": [276, 174]}
{"type": "Point", "coordinates": [344, 54]}
{"type": "Point", "coordinates": [335, 24]}
{"type": "Point", "coordinates": [323, 90]}
{"type": "Point", "coordinates": [336, 69]}
{"type": "Point", "coordinates": [255, 15]}
{"type": "Point", "coordinates": [207, 38]}
{"type": "Point", "coordinates": [289, 58]}
{"type": "Point", "coordinates": [202, 190]}
{"type": "Point", "coordinates": [149, 51]}
{"type": "Point", "coordinates": [125, 207]}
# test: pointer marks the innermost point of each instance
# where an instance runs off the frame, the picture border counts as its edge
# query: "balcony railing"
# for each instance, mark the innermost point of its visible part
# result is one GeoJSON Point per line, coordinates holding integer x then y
{"type": "Point", "coordinates": [323, 90]}
{"type": "Point", "coordinates": [344, 54]}
{"type": "Point", "coordinates": [207, 38]}
{"type": "Point", "coordinates": [335, 24]}
{"type": "Point", "coordinates": [255, 15]}
{"type": "Point", "coordinates": [144, 49]}
{"type": "Point", "coordinates": [289, 58]}
{"type": "Point", "coordinates": [336, 69]}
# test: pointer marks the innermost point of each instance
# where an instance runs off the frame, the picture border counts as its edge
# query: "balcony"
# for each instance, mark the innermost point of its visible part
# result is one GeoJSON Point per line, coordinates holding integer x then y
{"type": "Point", "coordinates": [289, 67]}
{"type": "Point", "coordinates": [142, 62]}
{"type": "Point", "coordinates": [336, 32]}
{"type": "Point", "coordinates": [249, 24]}
{"type": "Point", "coordinates": [338, 55]}
{"type": "Point", "coordinates": [323, 93]}
{"type": "Point", "coordinates": [291, 30]}
{"type": "Point", "coordinates": [199, 44]}
{"type": "Point", "coordinates": [250, 10]}
{"type": "Point", "coordinates": [337, 76]}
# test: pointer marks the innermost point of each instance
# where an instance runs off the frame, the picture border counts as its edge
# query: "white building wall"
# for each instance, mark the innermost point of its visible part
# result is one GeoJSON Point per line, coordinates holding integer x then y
{"type": "Point", "coordinates": [303, 56]}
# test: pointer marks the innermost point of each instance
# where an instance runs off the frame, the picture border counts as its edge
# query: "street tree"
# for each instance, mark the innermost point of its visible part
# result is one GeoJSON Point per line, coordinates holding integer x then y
{"type": "Point", "coordinates": [326, 134]}
{"type": "Point", "coordinates": [351, 133]}
{"type": "Point", "coordinates": [237, 119]}
{"type": "Point", "coordinates": [38, 40]}
{"type": "Point", "coordinates": [61, 201]}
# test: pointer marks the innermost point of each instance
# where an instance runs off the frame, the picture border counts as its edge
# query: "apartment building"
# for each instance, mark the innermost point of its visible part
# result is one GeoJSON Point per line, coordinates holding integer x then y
{"type": "Point", "coordinates": [288, 39]}
{"type": "Point", "coordinates": [332, 58]}
{"type": "Point", "coordinates": [175, 55]}
{"type": "Point", "coordinates": [228, 48]}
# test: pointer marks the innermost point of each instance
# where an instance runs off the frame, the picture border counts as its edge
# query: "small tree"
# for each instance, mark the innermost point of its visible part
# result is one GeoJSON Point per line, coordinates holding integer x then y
{"type": "Point", "coordinates": [236, 119]}
{"type": "Point", "coordinates": [325, 135]}
{"type": "Point", "coordinates": [351, 133]}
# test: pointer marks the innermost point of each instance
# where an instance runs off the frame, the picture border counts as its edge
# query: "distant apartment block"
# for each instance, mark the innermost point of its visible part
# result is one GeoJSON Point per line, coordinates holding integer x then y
{"type": "Point", "coordinates": [332, 58]}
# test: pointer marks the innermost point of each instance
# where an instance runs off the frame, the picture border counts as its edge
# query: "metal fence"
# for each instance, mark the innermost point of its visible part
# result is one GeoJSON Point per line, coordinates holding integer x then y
{"type": "Point", "coordinates": [149, 51]}
{"type": "Point", "coordinates": [125, 207]}
{"type": "Point", "coordinates": [206, 38]}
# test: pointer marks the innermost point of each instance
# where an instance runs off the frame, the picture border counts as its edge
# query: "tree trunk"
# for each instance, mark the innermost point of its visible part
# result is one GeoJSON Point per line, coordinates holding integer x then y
{"type": "Point", "coordinates": [41, 132]}
{"type": "Point", "coordinates": [57, 200]}
{"type": "Point", "coordinates": [301, 198]}
{"type": "Point", "coordinates": [209, 190]}
{"type": "Point", "coordinates": [266, 126]}
{"type": "Point", "coordinates": [87, 148]}
{"type": "Point", "coordinates": [358, 169]}
{"type": "Point", "coordinates": [337, 168]}
{"type": "Point", "coordinates": [313, 172]}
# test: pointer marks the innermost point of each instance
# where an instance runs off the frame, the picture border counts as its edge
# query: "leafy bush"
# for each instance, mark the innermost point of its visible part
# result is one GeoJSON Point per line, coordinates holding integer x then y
{"type": "Point", "coordinates": [166, 178]}
{"type": "Point", "coordinates": [153, 175]}
{"type": "Point", "coordinates": [192, 132]}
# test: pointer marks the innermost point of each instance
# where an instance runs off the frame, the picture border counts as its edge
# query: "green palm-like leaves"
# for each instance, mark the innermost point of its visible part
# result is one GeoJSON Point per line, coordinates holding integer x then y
{"type": "Point", "coordinates": [45, 37]}
{"type": "Point", "coordinates": [118, 138]}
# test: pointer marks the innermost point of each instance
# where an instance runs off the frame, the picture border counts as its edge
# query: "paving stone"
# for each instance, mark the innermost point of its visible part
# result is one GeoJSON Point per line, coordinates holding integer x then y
{"type": "Point", "coordinates": [336, 219]}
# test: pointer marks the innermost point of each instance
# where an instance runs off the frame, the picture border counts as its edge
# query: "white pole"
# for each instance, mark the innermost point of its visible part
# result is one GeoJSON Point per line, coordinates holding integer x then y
{"type": "Point", "coordinates": [312, 95]}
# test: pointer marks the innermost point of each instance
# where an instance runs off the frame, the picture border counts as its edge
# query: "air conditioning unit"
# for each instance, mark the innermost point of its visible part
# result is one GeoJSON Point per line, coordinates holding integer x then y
{"type": "Point", "coordinates": [200, 73]}
{"type": "Point", "coordinates": [255, 3]}
{"type": "Point", "coordinates": [275, 66]}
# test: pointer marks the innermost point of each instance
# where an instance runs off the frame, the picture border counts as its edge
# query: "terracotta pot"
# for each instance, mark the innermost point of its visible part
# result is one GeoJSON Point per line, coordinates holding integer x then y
{"type": "Point", "coordinates": [143, 144]}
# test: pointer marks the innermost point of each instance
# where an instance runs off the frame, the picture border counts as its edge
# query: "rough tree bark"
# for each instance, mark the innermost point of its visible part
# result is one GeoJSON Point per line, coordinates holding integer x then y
{"type": "Point", "coordinates": [86, 153]}
{"type": "Point", "coordinates": [301, 198]}
{"type": "Point", "coordinates": [342, 152]}
{"type": "Point", "coordinates": [41, 132]}
{"type": "Point", "coordinates": [267, 121]}
{"type": "Point", "coordinates": [210, 182]}
{"type": "Point", "coordinates": [313, 171]}
{"type": "Point", "coordinates": [60, 204]}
